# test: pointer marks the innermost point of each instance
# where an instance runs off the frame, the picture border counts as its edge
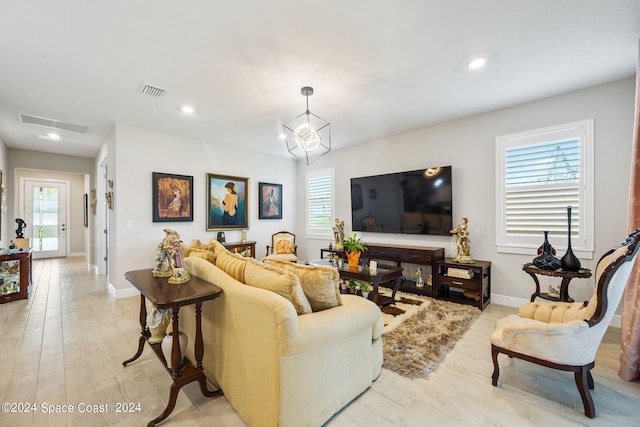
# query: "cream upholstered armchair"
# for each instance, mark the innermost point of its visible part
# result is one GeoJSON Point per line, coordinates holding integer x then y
{"type": "Point", "coordinates": [566, 336]}
{"type": "Point", "coordinates": [283, 247]}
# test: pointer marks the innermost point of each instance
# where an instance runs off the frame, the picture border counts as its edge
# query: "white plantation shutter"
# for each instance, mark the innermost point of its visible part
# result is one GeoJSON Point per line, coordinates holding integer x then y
{"type": "Point", "coordinates": [320, 203]}
{"type": "Point", "coordinates": [540, 173]}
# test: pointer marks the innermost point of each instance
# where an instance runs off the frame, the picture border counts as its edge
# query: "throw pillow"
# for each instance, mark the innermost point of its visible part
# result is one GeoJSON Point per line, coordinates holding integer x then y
{"type": "Point", "coordinates": [320, 284]}
{"type": "Point", "coordinates": [232, 264]}
{"type": "Point", "coordinates": [281, 282]}
{"type": "Point", "coordinates": [203, 253]}
{"type": "Point", "coordinates": [283, 247]}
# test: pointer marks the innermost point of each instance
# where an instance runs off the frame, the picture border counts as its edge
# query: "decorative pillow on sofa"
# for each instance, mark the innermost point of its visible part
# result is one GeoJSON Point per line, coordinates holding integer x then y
{"type": "Point", "coordinates": [232, 264]}
{"type": "Point", "coordinates": [202, 253]}
{"type": "Point", "coordinates": [276, 280]}
{"type": "Point", "coordinates": [320, 284]}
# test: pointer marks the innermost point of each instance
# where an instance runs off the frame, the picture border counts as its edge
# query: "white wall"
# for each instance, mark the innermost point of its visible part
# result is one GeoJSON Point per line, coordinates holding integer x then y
{"type": "Point", "coordinates": [138, 152]}
{"type": "Point", "coordinates": [469, 146]}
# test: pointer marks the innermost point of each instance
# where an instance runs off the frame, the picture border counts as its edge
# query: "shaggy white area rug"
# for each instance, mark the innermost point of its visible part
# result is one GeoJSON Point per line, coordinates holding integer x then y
{"type": "Point", "coordinates": [414, 347]}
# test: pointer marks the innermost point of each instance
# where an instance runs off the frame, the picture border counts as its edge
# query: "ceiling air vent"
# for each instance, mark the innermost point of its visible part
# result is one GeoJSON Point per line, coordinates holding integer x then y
{"type": "Point", "coordinates": [51, 123]}
{"type": "Point", "coordinates": [153, 91]}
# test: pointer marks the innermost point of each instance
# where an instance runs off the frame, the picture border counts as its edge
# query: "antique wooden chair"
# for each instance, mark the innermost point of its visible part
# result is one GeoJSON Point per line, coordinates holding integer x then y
{"type": "Point", "coordinates": [566, 336]}
{"type": "Point", "coordinates": [283, 247]}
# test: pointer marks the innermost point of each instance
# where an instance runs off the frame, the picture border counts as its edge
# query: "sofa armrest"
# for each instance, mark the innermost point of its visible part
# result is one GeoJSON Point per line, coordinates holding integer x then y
{"type": "Point", "coordinates": [322, 327]}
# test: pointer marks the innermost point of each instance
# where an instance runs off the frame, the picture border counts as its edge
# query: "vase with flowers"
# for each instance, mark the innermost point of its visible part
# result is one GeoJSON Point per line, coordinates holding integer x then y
{"type": "Point", "coordinates": [353, 247]}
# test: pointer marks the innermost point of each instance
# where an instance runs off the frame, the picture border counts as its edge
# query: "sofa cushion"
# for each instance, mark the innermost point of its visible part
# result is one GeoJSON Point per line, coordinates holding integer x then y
{"type": "Point", "coordinates": [320, 284]}
{"type": "Point", "coordinates": [232, 264]}
{"type": "Point", "coordinates": [276, 280]}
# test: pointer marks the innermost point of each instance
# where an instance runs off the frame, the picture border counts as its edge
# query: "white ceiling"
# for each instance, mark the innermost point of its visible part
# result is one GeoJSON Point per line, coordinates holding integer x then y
{"type": "Point", "coordinates": [378, 67]}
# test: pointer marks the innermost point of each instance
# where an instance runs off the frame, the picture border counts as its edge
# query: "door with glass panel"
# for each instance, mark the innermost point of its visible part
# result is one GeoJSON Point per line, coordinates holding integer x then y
{"type": "Point", "coordinates": [45, 215]}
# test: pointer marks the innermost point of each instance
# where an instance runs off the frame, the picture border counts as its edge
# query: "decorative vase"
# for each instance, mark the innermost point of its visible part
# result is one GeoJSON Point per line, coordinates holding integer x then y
{"type": "Point", "coordinates": [354, 258]}
{"type": "Point", "coordinates": [569, 261]}
{"type": "Point", "coordinates": [546, 259]}
{"type": "Point", "coordinates": [365, 295]}
{"type": "Point", "coordinates": [157, 321]}
{"type": "Point", "coordinates": [167, 346]}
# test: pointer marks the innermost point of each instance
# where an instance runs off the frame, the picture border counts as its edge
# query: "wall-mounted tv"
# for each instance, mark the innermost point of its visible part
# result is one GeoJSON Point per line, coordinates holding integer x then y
{"type": "Point", "coordinates": [412, 202]}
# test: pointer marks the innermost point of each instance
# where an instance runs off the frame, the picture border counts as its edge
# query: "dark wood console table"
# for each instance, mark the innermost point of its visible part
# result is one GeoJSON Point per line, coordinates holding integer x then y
{"type": "Point", "coordinates": [533, 271]}
{"type": "Point", "coordinates": [163, 295]}
{"type": "Point", "coordinates": [245, 249]}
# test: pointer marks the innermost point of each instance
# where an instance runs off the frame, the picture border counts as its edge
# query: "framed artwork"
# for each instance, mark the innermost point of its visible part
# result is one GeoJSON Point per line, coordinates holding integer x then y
{"type": "Point", "coordinates": [172, 197]}
{"type": "Point", "coordinates": [270, 200]}
{"type": "Point", "coordinates": [227, 202]}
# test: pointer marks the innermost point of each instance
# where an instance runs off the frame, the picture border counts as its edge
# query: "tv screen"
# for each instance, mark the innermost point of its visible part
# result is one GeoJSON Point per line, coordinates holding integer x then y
{"type": "Point", "coordinates": [412, 202]}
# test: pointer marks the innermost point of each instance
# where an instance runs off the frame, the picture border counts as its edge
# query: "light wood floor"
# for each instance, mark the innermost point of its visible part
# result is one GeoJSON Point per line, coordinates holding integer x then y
{"type": "Point", "coordinates": [65, 346]}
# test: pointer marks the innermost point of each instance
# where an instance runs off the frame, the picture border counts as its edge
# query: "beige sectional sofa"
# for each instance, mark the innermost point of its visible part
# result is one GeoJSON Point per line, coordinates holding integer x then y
{"type": "Point", "coordinates": [276, 366]}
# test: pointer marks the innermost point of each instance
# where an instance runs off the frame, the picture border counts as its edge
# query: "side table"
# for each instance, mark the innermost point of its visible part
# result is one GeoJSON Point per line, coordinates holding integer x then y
{"type": "Point", "coordinates": [163, 295]}
{"type": "Point", "coordinates": [533, 271]}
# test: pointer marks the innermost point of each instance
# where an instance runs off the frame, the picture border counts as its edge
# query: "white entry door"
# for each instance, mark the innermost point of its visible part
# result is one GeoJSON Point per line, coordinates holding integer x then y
{"type": "Point", "coordinates": [45, 212]}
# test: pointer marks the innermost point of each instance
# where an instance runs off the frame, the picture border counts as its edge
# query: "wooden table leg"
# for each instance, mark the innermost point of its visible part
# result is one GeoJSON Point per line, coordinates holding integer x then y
{"type": "Point", "coordinates": [537, 292]}
{"type": "Point", "coordinates": [176, 353]}
{"type": "Point", "coordinates": [564, 290]}
{"type": "Point", "coordinates": [144, 331]}
{"type": "Point", "coordinates": [396, 288]}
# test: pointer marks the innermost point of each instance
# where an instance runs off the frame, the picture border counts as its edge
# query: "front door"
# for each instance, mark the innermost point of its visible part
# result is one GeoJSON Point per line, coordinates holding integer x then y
{"type": "Point", "coordinates": [46, 217]}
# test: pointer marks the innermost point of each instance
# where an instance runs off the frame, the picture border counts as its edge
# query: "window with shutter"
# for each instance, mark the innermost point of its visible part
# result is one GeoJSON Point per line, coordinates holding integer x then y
{"type": "Point", "coordinates": [320, 203]}
{"type": "Point", "coordinates": [539, 174]}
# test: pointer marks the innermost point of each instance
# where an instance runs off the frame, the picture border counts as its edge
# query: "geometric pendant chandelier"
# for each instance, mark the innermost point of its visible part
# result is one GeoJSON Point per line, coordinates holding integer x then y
{"type": "Point", "coordinates": [308, 136]}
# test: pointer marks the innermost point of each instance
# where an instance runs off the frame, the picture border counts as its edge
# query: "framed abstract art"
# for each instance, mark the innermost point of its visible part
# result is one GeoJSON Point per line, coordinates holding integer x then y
{"type": "Point", "coordinates": [270, 201]}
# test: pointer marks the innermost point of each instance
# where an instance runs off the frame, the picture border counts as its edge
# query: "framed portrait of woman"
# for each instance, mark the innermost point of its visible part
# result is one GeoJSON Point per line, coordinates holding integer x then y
{"type": "Point", "coordinates": [227, 202]}
{"type": "Point", "coordinates": [270, 199]}
{"type": "Point", "coordinates": [172, 197]}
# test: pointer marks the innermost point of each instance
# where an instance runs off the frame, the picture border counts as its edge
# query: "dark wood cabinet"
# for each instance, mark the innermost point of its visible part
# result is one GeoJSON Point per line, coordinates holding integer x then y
{"type": "Point", "coordinates": [410, 255]}
{"type": "Point", "coordinates": [464, 283]}
{"type": "Point", "coordinates": [247, 249]}
{"type": "Point", "coordinates": [15, 274]}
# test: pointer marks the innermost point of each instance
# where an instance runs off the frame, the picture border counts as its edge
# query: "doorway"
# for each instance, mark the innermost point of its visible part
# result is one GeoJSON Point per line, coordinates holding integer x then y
{"type": "Point", "coordinates": [45, 212]}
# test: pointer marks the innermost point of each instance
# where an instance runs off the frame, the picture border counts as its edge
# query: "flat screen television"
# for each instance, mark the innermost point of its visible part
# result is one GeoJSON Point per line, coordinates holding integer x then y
{"type": "Point", "coordinates": [412, 202]}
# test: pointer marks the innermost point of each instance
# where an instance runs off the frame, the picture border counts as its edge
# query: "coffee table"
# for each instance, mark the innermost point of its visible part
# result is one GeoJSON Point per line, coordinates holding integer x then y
{"type": "Point", "coordinates": [382, 274]}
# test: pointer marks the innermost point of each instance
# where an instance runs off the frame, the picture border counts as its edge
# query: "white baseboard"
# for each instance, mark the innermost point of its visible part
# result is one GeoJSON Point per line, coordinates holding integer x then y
{"type": "Point", "coordinates": [74, 254]}
{"type": "Point", "coordinates": [122, 293]}
{"type": "Point", "coordinates": [519, 302]}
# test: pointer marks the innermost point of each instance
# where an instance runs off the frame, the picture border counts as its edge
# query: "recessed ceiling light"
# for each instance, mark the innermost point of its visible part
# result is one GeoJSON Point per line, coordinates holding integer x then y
{"type": "Point", "coordinates": [50, 137]}
{"type": "Point", "coordinates": [282, 136]}
{"type": "Point", "coordinates": [187, 109]}
{"type": "Point", "coordinates": [477, 62]}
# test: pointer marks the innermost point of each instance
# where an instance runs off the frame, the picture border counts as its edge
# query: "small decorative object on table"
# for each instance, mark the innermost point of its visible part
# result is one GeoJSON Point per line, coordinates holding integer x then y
{"type": "Point", "coordinates": [419, 279]}
{"type": "Point", "coordinates": [338, 234]}
{"type": "Point", "coordinates": [546, 259]}
{"type": "Point", "coordinates": [169, 261]}
{"type": "Point", "coordinates": [21, 241]}
{"type": "Point", "coordinates": [373, 267]}
{"type": "Point", "coordinates": [353, 247]}
{"type": "Point", "coordinates": [569, 261]}
{"type": "Point", "coordinates": [462, 242]}
{"type": "Point", "coordinates": [243, 239]}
